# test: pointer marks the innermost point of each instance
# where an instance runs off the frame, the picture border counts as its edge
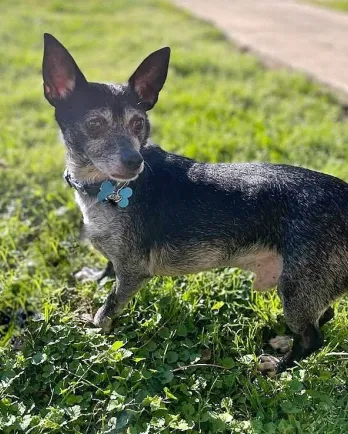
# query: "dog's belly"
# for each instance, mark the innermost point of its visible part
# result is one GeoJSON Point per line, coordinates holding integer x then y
{"type": "Point", "coordinates": [170, 261]}
{"type": "Point", "coordinates": [266, 265]}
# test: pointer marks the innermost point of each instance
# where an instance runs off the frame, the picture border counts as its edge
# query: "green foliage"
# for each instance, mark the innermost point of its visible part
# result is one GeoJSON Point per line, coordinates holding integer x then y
{"type": "Point", "coordinates": [218, 105]}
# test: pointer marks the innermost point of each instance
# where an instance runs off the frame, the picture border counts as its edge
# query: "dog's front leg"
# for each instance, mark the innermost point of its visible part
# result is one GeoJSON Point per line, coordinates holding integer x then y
{"type": "Point", "coordinates": [122, 291]}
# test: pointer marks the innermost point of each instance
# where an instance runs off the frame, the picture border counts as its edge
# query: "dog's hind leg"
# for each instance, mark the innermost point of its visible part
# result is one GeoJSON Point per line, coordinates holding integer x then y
{"type": "Point", "coordinates": [90, 275]}
{"type": "Point", "coordinates": [283, 343]}
{"type": "Point", "coordinates": [326, 316]}
{"type": "Point", "coordinates": [302, 312]}
{"type": "Point", "coordinates": [122, 291]}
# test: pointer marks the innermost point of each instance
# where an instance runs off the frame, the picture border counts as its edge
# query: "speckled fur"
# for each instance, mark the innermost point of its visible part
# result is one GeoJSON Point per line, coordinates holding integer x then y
{"type": "Point", "coordinates": [186, 216]}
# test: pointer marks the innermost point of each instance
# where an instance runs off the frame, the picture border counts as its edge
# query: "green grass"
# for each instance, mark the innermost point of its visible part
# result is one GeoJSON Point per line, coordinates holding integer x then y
{"type": "Point", "coordinates": [218, 105]}
{"type": "Point", "coordinates": [341, 5]}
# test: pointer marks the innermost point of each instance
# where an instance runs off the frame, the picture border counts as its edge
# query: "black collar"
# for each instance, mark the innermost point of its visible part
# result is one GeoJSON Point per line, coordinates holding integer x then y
{"type": "Point", "coordinates": [92, 189]}
{"type": "Point", "coordinates": [106, 191]}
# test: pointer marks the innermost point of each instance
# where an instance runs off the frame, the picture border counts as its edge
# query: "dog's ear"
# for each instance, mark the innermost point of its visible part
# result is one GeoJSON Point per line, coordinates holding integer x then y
{"type": "Point", "coordinates": [149, 78]}
{"type": "Point", "coordinates": [61, 75]}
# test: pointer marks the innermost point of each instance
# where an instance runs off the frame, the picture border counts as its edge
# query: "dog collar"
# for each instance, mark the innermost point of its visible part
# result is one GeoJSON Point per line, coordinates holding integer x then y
{"type": "Point", "coordinates": [107, 191]}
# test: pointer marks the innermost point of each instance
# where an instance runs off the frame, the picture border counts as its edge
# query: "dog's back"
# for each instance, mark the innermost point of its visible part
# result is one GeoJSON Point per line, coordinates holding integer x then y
{"type": "Point", "coordinates": [241, 204]}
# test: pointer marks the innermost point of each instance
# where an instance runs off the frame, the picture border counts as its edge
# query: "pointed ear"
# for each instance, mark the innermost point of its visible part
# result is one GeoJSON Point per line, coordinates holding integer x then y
{"type": "Point", "coordinates": [60, 73]}
{"type": "Point", "coordinates": [149, 78]}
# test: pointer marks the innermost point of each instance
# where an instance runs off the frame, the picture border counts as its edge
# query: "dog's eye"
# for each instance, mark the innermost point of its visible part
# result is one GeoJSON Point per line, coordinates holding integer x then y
{"type": "Point", "coordinates": [137, 125]}
{"type": "Point", "coordinates": [96, 126]}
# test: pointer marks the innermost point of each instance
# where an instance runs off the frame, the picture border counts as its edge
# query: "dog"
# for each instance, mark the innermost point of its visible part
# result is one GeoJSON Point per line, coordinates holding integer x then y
{"type": "Point", "coordinates": [152, 213]}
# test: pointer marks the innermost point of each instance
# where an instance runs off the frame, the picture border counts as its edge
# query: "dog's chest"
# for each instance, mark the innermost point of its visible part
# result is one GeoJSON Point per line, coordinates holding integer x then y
{"type": "Point", "coordinates": [102, 224]}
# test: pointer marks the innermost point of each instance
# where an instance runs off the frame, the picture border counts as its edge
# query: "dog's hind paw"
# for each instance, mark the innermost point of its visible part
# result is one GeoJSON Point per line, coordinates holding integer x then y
{"type": "Point", "coordinates": [268, 365]}
{"type": "Point", "coordinates": [281, 343]}
{"type": "Point", "coordinates": [89, 275]}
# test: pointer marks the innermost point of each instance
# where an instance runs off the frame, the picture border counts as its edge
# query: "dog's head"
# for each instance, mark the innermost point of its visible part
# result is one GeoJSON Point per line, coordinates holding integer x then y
{"type": "Point", "coordinates": [104, 126]}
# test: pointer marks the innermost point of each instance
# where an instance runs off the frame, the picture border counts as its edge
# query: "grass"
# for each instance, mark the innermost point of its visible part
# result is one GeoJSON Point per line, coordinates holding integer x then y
{"type": "Point", "coordinates": [341, 5]}
{"type": "Point", "coordinates": [218, 105]}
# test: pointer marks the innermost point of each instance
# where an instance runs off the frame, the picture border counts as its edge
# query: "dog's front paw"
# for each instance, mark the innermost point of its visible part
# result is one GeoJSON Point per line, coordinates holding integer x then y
{"type": "Point", "coordinates": [102, 320]}
{"type": "Point", "coordinates": [281, 343]}
{"type": "Point", "coordinates": [268, 365]}
{"type": "Point", "coordinates": [86, 318]}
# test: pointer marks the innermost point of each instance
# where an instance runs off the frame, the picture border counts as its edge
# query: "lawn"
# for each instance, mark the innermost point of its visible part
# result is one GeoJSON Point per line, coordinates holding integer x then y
{"type": "Point", "coordinates": [341, 5]}
{"type": "Point", "coordinates": [217, 105]}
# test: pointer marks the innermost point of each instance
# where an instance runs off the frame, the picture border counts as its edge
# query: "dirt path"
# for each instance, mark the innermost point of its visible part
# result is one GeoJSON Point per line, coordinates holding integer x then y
{"type": "Point", "coordinates": [303, 37]}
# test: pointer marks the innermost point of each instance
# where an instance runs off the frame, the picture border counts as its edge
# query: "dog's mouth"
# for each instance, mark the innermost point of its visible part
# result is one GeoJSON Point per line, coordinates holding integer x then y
{"type": "Point", "coordinates": [123, 178]}
{"type": "Point", "coordinates": [127, 175]}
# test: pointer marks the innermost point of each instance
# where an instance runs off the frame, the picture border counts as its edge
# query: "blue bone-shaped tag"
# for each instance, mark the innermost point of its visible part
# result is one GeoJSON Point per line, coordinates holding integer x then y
{"type": "Point", "coordinates": [125, 194]}
{"type": "Point", "coordinates": [107, 189]}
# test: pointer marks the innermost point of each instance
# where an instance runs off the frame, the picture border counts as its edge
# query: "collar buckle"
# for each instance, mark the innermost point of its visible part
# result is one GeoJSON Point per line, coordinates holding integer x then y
{"type": "Point", "coordinates": [67, 178]}
{"type": "Point", "coordinates": [74, 184]}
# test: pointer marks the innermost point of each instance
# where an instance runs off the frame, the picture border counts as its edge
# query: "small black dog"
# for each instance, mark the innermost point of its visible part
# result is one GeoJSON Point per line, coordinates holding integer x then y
{"type": "Point", "coordinates": [155, 213]}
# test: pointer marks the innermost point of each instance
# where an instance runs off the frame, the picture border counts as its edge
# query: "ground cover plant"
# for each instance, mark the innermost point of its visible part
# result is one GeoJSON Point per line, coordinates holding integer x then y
{"type": "Point", "coordinates": [183, 354]}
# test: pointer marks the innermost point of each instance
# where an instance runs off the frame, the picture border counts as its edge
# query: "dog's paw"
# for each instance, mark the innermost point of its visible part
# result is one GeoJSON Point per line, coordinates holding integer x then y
{"type": "Point", "coordinates": [103, 321]}
{"type": "Point", "coordinates": [89, 320]}
{"type": "Point", "coordinates": [268, 365]}
{"type": "Point", "coordinates": [86, 318]}
{"type": "Point", "coordinates": [281, 343]}
{"type": "Point", "coordinates": [88, 275]}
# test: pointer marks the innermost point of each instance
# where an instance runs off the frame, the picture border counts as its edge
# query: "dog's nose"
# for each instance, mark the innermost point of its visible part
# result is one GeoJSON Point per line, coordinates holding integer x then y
{"type": "Point", "coordinates": [131, 160]}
